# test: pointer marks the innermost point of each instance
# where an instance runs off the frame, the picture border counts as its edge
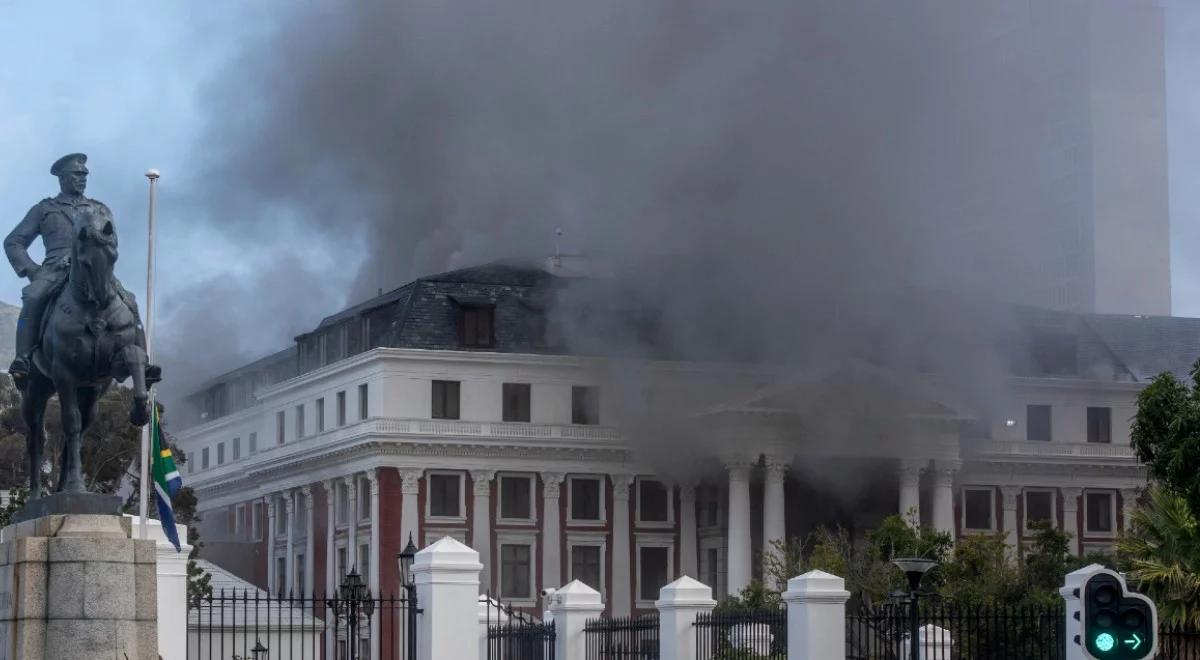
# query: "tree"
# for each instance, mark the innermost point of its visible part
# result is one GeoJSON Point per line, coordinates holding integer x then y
{"type": "Point", "coordinates": [1162, 555]}
{"type": "Point", "coordinates": [1166, 434]}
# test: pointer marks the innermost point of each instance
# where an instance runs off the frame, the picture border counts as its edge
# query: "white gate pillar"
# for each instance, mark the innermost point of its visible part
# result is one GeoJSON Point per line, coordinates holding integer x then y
{"type": "Point", "coordinates": [571, 608]}
{"type": "Point", "coordinates": [678, 604]}
{"type": "Point", "coordinates": [816, 615]}
{"type": "Point", "coordinates": [447, 578]}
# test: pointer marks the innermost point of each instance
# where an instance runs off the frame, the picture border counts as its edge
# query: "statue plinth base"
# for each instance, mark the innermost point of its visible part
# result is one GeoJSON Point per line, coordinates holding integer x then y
{"type": "Point", "coordinates": [77, 586]}
{"type": "Point", "coordinates": [67, 504]}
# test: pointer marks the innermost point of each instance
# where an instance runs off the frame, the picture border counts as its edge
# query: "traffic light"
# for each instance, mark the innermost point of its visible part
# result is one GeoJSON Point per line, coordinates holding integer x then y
{"type": "Point", "coordinates": [1117, 624]}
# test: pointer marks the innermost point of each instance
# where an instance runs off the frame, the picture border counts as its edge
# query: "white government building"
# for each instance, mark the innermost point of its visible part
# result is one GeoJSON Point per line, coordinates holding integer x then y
{"type": "Point", "coordinates": [442, 408]}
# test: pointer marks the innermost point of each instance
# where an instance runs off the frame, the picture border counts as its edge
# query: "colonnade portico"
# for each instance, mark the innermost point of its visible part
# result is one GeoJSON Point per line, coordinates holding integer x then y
{"type": "Point", "coordinates": [942, 474]}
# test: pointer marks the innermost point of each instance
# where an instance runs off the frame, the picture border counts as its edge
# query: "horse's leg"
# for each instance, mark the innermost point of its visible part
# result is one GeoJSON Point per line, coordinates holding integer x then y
{"type": "Point", "coordinates": [88, 398]}
{"type": "Point", "coordinates": [134, 358]}
{"type": "Point", "coordinates": [37, 392]}
{"type": "Point", "coordinates": [70, 476]}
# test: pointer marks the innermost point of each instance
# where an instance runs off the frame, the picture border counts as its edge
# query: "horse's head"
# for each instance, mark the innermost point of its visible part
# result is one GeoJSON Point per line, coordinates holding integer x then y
{"type": "Point", "coordinates": [94, 255]}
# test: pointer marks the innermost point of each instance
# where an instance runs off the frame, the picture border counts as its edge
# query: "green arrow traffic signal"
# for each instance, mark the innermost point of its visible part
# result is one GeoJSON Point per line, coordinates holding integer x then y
{"type": "Point", "coordinates": [1117, 624]}
{"type": "Point", "coordinates": [1134, 643]}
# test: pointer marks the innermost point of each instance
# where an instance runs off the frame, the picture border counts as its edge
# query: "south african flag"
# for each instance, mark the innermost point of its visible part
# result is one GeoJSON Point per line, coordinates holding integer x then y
{"type": "Point", "coordinates": [167, 481]}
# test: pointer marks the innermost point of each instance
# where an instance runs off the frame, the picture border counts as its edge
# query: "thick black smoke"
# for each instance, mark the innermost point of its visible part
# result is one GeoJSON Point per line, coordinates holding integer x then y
{"type": "Point", "coordinates": [779, 178]}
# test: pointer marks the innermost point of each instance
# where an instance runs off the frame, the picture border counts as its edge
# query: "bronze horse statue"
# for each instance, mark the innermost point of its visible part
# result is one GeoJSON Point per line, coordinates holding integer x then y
{"type": "Point", "coordinates": [90, 336]}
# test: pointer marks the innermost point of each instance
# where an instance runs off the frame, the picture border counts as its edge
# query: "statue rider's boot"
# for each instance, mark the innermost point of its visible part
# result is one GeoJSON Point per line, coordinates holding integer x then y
{"type": "Point", "coordinates": [19, 369]}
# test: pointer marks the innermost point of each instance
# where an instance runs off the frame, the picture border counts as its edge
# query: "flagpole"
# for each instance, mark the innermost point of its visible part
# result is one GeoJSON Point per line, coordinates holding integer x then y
{"type": "Point", "coordinates": [148, 325]}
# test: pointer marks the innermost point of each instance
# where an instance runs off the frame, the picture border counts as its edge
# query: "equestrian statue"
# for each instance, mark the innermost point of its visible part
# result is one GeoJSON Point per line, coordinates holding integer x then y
{"type": "Point", "coordinates": [79, 329]}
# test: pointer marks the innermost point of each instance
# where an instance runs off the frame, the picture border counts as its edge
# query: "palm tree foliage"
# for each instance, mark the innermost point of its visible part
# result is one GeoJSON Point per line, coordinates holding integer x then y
{"type": "Point", "coordinates": [1162, 555]}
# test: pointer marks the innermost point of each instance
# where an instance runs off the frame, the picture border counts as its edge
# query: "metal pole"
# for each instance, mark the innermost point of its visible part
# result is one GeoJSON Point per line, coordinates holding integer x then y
{"type": "Point", "coordinates": [148, 324]}
{"type": "Point", "coordinates": [914, 623]}
{"type": "Point", "coordinates": [412, 621]}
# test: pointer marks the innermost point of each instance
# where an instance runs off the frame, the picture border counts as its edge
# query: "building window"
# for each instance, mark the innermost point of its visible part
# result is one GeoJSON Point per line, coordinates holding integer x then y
{"type": "Point", "coordinates": [239, 521]}
{"type": "Point", "coordinates": [708, 501]}
{"type": "Point", "coordinates": [320, 410]}
{"type": "Point", "coordinates": [342, 569]}
{"type": "Point", "coordinates": [279, 427]}
{"type": "Point", "coordinates": [585, 501]}
{"type": "Point", "coordinates": [477, 326]}
{"type": "Point", "coordinates": [1039, 508]}
{"type": "Point", "coordinates": [204, 458]}
{"type": "Point", "coordinates": [364, 560]}
{"type": "Point", "coordinates": [191, 466]}
{"type": "Point", "coordinates": [341, 408]}
{"type": "Point", "coordinates": [253, 443]}
{"type": "Point", "coordinates": [1037, 423]}
{"type": "Point", "coordinates": [300, 421]}
{"type": "Point", "coordinates": [363, 408]}
{"type": "Point", "coordinates": [281, 575]}
{"type": "Point", "coordinates": [654, 503]}
{"type": "Point", "coordinates": [281, 516]}
{"type": "Point", "coordinates": [585, 405]}
{"type": "Point", "coordinates": [220, 453]}
{"type": "Point", "coordinates": [237, 448]}
{"type": "Point", "coordinates": [516, 497]}
{"type": "Point", "coordinates": [343, 499]}
{"type": "Point", "coordinates": [1099, 424]}
{"type": "Point", "coordinates": [300, 577]}
{"type": "Point", "coordinates": [978, 509]}
{"type": "Point", "coordinates": [445, 495]}
{"type": "Point", "coordinates": [515, 572]}
{"type": "Point", "coordinates": [585, 565]}
{"type": "Point", "coordinates": [1099, 513]}
{"type": "Point", "coordinates": [255, 521]}
{"type": "Point", "coordinates": [516, 402]}
{"type": "Point", "coordinates": [654, 571]}
{"type": "Point", "coordinates": [712, 567]}
{"type": "Point", "coordinates": [364, 499]}
{"type": "Point", "coordinates": [445, 399]}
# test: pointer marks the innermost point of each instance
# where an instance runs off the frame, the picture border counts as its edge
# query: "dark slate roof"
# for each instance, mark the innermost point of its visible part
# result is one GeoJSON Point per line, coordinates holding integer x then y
{"type": "Point", "coordinates": [1149, 345]}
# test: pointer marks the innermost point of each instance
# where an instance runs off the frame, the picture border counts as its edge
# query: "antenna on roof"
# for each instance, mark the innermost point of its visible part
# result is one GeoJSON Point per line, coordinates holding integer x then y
{"type": "Point", "coordinates": [380, 292]}
{"type": "Point", "coordinates": [557, 237]}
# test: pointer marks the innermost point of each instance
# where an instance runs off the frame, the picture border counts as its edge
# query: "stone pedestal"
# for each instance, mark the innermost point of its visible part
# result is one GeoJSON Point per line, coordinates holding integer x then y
{"type": "Point", "coordinates": [77, 586]}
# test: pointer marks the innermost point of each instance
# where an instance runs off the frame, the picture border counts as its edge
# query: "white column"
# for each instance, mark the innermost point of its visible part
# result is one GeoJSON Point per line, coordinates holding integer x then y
{"type": "Point", "coordinates": [688, 553]}
{"type": "Point", "coordinates": [289, 507]}
{"type": "Point", "coordinates": [373, 575]}
{"type": "Point", "coordinates": [330, 561]}
{"type": "Point", "coordinates": [352, 531]}
{"type": "Point", "coordinates": [410, 487]}
{"type": "Point", "coordinates": [678, 605]}
{"type": "Point", "coordinates": [571, 607]}
{"type": "Point", "coordinates": [272, 588]}
{"type": "Point", "coordinates": [1070, 523]}
{"type": "Point", "coordinates": [1008, 505]}
{"type": "Point", "coordinates": [943, 496]}
{"type": "Point", "coordinates": [447, 578]}
{"type": "Point", "coordinates": [481, 523]}
{"type": "Point", "coordinates": [622, 597]}
{"type": "Point", "coordinates": [816, 614]}
{"type": "Point", "coordinates": [309, 544]}
{"type": "Point", "coordinates": [774, 505]}
{"type": "Point", "coordinates": [739, 527]}
{"type": "Point", "coordinates": [1072, 628]}
{"type": "Point", "coordinates": [1128, 506]}
{"type": "Point", "coordinates": [551, 530]}
{"type": "Point", "coordinates": [910, 489]}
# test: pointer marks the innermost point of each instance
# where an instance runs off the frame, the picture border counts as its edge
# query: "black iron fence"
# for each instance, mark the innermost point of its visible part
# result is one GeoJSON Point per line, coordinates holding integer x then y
{"type": "Point", "coordinates": [949, 632]}
{"type": "Point", "coordinates": [515, 635]}
{"type": "Point", "coordinates": [249, 624]}
{"type": "Point", "coordinates": [754, 634]}
{"type": "Point", "coordinates": [1178, 643]}
{"type": "Point", "coordinates": [622, 638]}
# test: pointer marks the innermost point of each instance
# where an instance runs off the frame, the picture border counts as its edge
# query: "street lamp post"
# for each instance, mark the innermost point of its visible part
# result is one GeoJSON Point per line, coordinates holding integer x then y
{"type": "Point", "coordinates": [914, 569]}
{"type": "Point", "coordinates": [404, 562]}
{"type": "Point", "coordinates": [355, 601]}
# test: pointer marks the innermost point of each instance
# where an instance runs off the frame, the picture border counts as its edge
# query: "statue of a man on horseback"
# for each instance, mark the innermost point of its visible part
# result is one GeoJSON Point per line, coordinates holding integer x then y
{"type": "Point", "coordinates": [79, 328]}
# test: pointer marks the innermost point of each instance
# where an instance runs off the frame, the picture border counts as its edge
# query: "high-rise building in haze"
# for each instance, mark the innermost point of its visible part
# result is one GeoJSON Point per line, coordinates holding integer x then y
{"type": "Point", "coordinates": [1059, 193]}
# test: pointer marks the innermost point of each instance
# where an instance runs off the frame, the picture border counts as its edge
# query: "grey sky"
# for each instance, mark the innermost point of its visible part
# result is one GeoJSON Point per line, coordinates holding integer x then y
{"type": "Point", "coordinates": [133, 87]}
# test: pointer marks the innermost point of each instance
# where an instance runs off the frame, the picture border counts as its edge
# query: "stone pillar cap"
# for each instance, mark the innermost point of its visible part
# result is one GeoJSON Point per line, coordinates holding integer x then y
{"type": "Point", "coordinates": [575, 595]}
{"type": "Point", "coordinates": [817, 586]}
{"type": "Point", "coordinates": [447, 553]}
{"type": "Point", "coordinates": [685, 591]}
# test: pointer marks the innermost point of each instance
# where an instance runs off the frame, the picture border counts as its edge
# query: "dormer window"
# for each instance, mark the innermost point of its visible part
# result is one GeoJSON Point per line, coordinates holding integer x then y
{"type": "Point", "coordinates": [476, 326]}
